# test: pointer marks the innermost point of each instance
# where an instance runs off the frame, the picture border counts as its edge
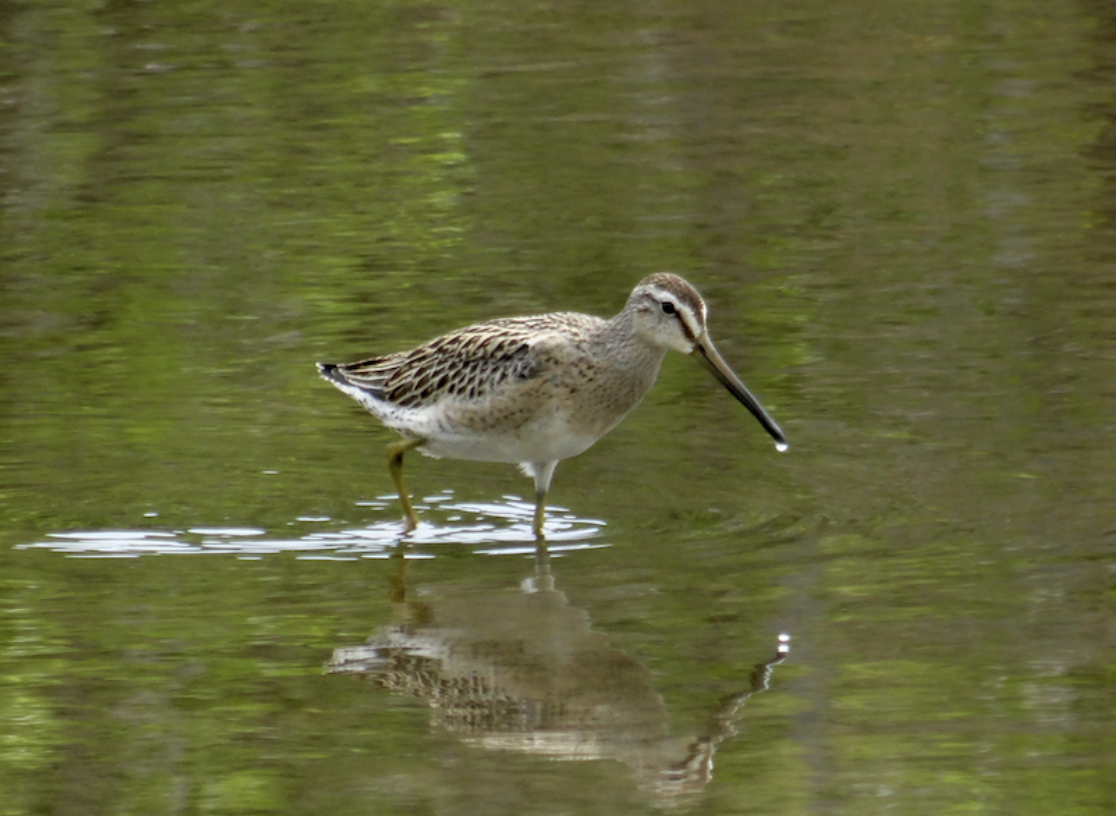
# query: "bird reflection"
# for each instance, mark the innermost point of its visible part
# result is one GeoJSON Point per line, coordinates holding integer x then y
{"type": "Point", "coordinates": [525, 672]}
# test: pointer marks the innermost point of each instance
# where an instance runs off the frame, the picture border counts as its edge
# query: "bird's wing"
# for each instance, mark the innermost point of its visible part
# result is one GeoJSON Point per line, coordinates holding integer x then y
{"type": "Point", "coordinates": [469, 363]}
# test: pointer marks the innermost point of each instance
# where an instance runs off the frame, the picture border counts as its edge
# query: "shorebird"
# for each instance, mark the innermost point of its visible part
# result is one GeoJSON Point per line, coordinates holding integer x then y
{"type": "Point", "coordinates": [534, 390]}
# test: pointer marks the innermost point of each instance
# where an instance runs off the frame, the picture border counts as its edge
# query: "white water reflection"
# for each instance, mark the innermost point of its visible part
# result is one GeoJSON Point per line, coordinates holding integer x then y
{"type": "Point", "coordinates": [496, 528]}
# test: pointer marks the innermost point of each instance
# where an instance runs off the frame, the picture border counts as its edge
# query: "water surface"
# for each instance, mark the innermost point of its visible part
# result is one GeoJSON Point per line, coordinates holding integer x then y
{"type": "Point", "coordinates": [904, 221]}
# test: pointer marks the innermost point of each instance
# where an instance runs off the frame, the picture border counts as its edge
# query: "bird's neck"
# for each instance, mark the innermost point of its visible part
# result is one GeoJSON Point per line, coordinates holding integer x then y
{"type": "Point", "coordinates": [629, 348]}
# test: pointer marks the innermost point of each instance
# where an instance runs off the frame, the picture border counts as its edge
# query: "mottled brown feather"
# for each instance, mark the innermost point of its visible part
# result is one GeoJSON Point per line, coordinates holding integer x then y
{"type": "Point", "coordinates": [469, 363]}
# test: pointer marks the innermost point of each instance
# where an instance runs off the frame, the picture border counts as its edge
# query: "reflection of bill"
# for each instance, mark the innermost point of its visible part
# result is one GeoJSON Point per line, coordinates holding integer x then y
{"type": "Point", "coordinates": [524, 672]}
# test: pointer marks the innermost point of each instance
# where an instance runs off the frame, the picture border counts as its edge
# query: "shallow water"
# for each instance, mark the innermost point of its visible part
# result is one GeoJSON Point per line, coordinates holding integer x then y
{"type": "Point", "coordinates": [904, 221]}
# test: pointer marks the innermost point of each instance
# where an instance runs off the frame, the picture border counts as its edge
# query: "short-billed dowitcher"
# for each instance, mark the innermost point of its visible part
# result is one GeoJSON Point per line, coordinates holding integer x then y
{"type": "Point", "coordinates": [534, 390]}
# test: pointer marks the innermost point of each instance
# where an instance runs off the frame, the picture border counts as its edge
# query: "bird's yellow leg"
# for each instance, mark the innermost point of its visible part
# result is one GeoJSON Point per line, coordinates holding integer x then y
{"type": "Point", "coordinates": [540, 514]}
{"type": "Point", "coordinates": [543, 472]}
{"type": "Point", "coordinates": [395, 453]}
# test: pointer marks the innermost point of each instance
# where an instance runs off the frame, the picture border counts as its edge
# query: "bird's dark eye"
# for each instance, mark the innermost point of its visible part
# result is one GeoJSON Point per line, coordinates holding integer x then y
{"type": "Point", "coordinates": [667, 307]}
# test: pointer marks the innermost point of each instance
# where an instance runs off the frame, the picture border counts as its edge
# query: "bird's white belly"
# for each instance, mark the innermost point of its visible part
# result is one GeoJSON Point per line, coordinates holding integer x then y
{"type": "Point", "coordinates": [546, 444]}
{"type": "Point", "coordinates": [543, 438]}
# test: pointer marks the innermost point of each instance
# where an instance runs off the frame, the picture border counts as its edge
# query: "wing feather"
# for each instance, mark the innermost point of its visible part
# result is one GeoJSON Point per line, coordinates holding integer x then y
{"type": "Point", "coordinates": [471, 363]}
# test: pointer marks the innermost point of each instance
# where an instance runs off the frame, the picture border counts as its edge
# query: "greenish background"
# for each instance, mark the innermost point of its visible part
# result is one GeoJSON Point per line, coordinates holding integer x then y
{"type": "Point", "coordinates": [903, 217]}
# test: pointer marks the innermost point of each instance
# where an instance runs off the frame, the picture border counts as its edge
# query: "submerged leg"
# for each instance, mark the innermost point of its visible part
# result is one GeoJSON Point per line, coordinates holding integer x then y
{"type": "Point", "coordinates": [397, 584]}
{"type": "Point", "coordinates": [395, 453]}
{"type": "Point", "coordinates": [543, 472]}
{"type": "Point", "coordinates": [540, 513]}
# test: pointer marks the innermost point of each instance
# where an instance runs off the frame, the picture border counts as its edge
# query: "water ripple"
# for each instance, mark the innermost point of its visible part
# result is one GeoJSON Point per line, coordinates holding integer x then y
{"type": "Point", "coordinates": [491, 528]}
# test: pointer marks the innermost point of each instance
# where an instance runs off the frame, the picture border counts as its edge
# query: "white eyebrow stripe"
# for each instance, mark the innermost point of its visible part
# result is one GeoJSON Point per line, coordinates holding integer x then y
{"type": "Point", "coordinates": [693, 325]}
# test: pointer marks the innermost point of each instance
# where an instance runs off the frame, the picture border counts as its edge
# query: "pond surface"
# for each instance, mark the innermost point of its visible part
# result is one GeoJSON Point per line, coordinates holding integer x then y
{"type": "Point", "coordinates": [903, 218]}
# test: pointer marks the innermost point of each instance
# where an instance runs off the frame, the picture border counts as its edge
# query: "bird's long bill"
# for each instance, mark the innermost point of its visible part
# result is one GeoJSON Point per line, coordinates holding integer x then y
{"type": "Point", "coordinates": [706, 354]}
